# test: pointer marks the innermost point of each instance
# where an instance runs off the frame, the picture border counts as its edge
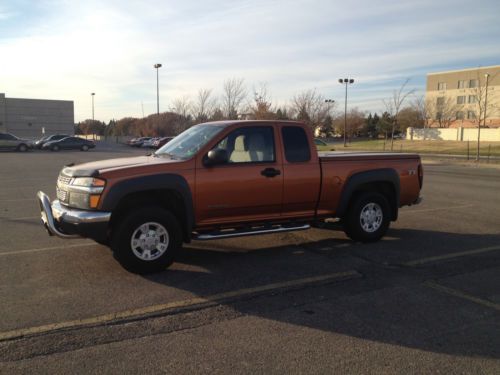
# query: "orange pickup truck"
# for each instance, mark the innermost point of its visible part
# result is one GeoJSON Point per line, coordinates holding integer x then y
{"type": "Point", "coordinates": [228, 179]}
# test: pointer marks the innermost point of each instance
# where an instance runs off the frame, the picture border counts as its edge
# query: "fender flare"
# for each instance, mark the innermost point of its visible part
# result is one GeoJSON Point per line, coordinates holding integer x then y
{"type": "Point", "coordinates": [386, 175]}
{"type": "Point", "coordinates": [164, 181]}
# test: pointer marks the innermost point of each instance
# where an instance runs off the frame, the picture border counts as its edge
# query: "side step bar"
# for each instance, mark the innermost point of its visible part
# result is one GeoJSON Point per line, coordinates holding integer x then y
{"type": "Point", "coordinates": [231, 233]}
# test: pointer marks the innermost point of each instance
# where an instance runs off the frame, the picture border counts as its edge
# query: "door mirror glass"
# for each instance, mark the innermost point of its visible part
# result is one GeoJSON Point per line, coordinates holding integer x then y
{"type": "Point", "coordinates": [215, 157]}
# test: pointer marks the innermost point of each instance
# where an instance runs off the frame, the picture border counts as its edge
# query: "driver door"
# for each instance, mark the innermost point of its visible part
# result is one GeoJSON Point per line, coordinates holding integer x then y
{"type": "Point", "coordinates": [248, 187]}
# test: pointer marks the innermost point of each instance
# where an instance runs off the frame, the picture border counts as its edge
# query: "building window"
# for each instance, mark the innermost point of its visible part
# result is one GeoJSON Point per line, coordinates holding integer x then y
{"type": "Point", "coordinates": [471, 115]}
{"type": "Point", "coordinates": [440, 100]}
{"type": "Point", "coordinates": [461, 99]}
{"type": "Point", "coordinates": [472, 99]}
{"type": "Point", "coordinates": [473, 83]}
{"type": "Point", "coordinates": [460, 115]}
{"type": "Point", "coordinates": [441, 86]}
{"type": "Point", "coordinates": [461, 84]}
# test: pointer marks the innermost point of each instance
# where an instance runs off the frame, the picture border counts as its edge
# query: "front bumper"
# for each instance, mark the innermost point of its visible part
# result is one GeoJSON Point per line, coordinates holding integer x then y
{"type": "Point", "coordinates": [67, 222]}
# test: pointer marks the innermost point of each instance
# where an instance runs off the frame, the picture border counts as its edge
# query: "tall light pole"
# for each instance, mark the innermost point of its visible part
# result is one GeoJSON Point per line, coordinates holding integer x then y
{"type": "Point", "coordinates": [346, 81]}
{"type": "Point", "coordinates": [487, 76]}
{"type": "Point", "coordinates": [157, 66]}
{"type": "Point", "coordinates": [92, 94]}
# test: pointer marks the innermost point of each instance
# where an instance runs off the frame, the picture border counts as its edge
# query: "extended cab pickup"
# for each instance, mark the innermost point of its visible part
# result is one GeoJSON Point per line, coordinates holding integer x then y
{"type": "Point", "coordinates": [227, 179]}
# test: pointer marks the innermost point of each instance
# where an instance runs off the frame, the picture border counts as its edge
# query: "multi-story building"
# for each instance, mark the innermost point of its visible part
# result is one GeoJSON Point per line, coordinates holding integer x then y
{"type": "Point", "coordinates": [32, 118]}
{"type": "Point", "coordinates": [464, 98]}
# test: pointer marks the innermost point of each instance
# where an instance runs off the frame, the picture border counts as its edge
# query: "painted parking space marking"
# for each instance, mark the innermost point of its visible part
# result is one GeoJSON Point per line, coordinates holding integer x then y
{"type": "Point", "coordinates": [451, 256]}
{"type": "Point", "coordinates": [439, 209]}
{"type": "Point", "coordinates": [145, 311]}
{"type": "Point", "coordinates": [462, 295]}
{"type": "Point", "coordinates": [20, 252]}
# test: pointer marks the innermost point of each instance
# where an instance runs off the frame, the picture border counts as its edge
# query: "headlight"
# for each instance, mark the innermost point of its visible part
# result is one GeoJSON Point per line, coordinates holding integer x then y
{"type": "Point", "coordinates": [85, 192]}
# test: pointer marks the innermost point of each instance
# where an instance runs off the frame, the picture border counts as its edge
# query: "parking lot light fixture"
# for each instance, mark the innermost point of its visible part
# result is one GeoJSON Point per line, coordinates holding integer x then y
{"type": "Point", "coordinates": [346, 82]}
{"type": "Point", "coordinates": [157, 66]}
{"type": "Point", "coordinates": [92, 95]}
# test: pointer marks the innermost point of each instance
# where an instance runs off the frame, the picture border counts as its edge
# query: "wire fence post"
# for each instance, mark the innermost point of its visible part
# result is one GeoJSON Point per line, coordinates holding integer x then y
{"type": "Point", "coordinates": [489, 152]}
{"type": "Point", "coordinates": [468, 150]}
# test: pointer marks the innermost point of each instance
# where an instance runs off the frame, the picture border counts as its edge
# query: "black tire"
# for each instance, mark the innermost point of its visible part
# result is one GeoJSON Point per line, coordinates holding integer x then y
{"type": "Point", "coordinates": [22, 147]}
{"type": "Point", "coordinates": [84, 148]}
{"type": "Point", "coordinates": [122, 237]}
{"type": "Point", "coordinates": [55, 148]}
{"type": "Point", "coordinates": [361, 228]}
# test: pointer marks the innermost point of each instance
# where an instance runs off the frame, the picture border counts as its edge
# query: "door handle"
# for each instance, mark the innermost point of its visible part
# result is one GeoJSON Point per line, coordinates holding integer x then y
{"type": "Point", "coordinates": [270, 172]}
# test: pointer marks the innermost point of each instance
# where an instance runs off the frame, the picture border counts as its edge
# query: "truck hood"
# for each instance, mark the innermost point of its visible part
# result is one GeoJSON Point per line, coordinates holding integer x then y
{"type": "Point", "coordinates": [95, 168]}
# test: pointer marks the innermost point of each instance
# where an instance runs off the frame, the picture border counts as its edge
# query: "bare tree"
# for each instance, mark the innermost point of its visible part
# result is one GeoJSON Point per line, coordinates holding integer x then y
{"type": "Point", "coordinates": [204, 106]}
{"type": "Point", "coordinates": [310, 106]}
{"type": "Point", "coordinates": [261, 108]}
{"type": "Point", "coordinates": [234, 94]}
{"type": "Point", "coordinates": [394, 104]}
{"type": "Point", "coordinates": [182, 106]}
{"type": "Point", "coordinates": [442, 110]}
{"type": "Point", "coordinates": [483, 107]}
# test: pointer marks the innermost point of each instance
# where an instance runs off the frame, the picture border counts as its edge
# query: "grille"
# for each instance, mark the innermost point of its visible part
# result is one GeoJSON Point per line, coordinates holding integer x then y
{"type": "Point", "coordinates": [64, 179]}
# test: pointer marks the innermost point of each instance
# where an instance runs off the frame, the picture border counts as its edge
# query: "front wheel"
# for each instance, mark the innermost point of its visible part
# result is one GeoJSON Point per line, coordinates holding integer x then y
{"type": "Point", "coordinates": [55, 148]}
{"type": "Point", "coordinates": [85, 148]}
{"type": "Point", "coordinates": [368, 218]}
{"type": "Point", "coordinates": [147, 240]}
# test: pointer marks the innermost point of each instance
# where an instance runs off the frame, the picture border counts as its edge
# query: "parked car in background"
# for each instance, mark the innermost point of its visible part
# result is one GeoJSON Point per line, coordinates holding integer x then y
{"type": "Point", "coordinates": [48, 138]}
{"type": "Point", "coordinates": [137, 142]}
{"type": "Point", "coordinates": [69, 143]}
{"type": "Point", "coordinates": [11, 142]}
{"type": "Point", "coordinates": [319, 142]}
{"type": "Point", "coordinates": [322, 145]}
{"type": "Point", "coordinates": [148, 143]}
{"type": "Point", "coordinates": [161, 142]}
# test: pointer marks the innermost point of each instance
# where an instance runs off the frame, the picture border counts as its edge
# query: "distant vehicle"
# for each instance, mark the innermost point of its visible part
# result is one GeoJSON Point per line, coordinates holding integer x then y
{"type": "Point", "coordinates": [160, 142]}
{"type": "Point", "coordinates": [319, 142]}
{"type": "Point", "coordinates": [69, 143]}
{"type": "Point", "coordinates": [137, 142]}
{"type": "Point", "coordinates": [48, 138]}
{"type": "Point", "coordinates": [11, 142]}
{"type": "Point", "coordinates": [148, 143]}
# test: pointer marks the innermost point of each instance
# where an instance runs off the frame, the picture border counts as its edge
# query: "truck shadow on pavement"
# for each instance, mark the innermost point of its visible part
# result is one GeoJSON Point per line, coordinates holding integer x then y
{"type": "Point", "coordinates": [389, 304]}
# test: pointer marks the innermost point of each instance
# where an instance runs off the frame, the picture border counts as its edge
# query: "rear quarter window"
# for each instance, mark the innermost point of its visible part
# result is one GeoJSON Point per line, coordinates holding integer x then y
{"type": "Point", "coordinates": [296, 144]}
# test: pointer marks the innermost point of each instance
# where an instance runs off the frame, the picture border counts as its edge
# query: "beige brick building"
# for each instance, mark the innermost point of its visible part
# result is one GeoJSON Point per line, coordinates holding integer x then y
{"type": "Point", "coordinates": [459, 98]}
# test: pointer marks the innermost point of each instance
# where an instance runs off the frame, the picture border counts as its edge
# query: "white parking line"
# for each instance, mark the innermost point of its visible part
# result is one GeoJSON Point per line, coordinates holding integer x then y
{"type": "Point", "coordinates": [19, 252]}
{"type": "Point", "coordinates": [459, 294]}
{"type": "Point", "coordinates": [452, 255]}
{"type": "Point", "coordinates": [215, 298]}
{"type": "Point", "coordinates": [18, 200]}
{"type": "Point", "coordinates": [20, 218]}
{"type": "Point", "coordinates": [438, 209]}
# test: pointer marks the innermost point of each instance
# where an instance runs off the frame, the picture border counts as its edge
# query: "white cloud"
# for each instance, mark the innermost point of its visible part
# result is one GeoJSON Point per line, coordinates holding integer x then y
{"type": "Point", "coordinates": [109, 47]}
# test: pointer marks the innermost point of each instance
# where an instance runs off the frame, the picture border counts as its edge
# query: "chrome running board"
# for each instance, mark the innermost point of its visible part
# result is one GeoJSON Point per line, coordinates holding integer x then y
{"type": "Point", "coordinates": [231, 233]}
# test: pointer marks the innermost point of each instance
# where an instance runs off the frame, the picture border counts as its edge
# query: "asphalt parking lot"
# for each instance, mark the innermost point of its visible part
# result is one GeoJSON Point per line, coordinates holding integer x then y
{"type": "Point", "coordinates": [426, 299]}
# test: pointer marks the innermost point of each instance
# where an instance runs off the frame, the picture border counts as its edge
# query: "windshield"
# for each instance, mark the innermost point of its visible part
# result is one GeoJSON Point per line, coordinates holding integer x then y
{"type": "Point", "coordinates": [189, 142]}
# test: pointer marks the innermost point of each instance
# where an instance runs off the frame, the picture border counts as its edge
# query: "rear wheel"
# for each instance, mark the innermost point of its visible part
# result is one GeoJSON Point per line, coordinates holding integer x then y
{"type": "Point", "coordinates": [368, 218]}
{"type": "Point", "coordinates": [55, 148]}
{"type": "Point", "coordinates": [147, 240]}
{"type": "Point", "coordinates": [22, 147]}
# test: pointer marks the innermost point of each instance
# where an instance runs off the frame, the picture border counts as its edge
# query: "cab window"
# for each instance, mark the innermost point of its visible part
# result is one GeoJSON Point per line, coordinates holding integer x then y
{"type": "Point", "coordinates": [249, 145]}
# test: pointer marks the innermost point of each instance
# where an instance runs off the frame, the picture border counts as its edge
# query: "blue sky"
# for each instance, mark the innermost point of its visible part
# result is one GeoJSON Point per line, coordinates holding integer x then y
{"type": "Point", "coordinates": [63, 49]}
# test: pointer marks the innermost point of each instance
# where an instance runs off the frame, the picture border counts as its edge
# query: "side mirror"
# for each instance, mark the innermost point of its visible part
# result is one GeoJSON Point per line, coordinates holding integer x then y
{"type": "Point", "coordinates": [215, 157]}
